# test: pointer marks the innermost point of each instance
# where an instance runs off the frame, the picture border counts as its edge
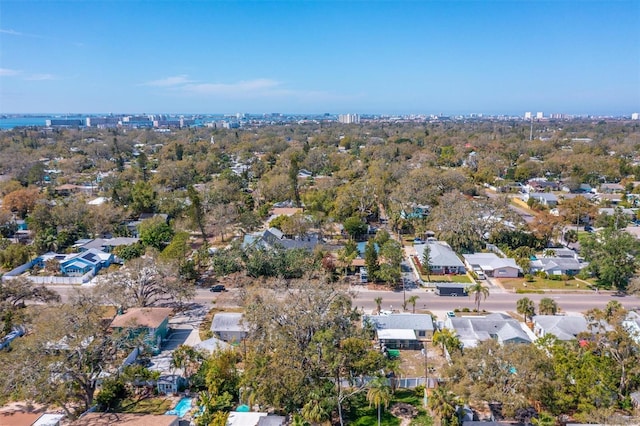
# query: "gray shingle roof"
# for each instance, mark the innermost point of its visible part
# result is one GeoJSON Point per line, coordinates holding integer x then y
{"type": "Point", "coordinates": [563, 327]}
{"type": "Point", "coordinates": [401, 321]}
{"type": "Point", "coordinates": [439, 255]}
{"type": "Point", "coordinates": [471, 330]}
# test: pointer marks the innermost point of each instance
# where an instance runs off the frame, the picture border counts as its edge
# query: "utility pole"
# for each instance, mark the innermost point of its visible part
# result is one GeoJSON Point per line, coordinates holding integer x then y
{"type": "Point", "coordinates": [531, 131]}
{"type": "Point", "coordinates": [426, 370]}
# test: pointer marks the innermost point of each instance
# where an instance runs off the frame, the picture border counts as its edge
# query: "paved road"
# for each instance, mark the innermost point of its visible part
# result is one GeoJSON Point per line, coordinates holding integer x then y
{"type": "Point", "coordinates": [498, 300]}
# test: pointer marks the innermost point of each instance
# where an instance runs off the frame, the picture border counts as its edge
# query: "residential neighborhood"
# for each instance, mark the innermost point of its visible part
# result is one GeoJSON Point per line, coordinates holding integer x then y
{"type": "Point", "coordinates": [233, 291]}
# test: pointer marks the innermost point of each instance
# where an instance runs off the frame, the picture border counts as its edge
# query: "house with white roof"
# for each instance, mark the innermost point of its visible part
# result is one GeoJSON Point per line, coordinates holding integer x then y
{"type": "Point", "coordinates": [252, 418]}
{"type": "Point", "coordinates": [492, 265]}
{"type": "Point", "coordinates": [442, 259]}
{"type": "Point", "coordinates": [631, 323]}
{"type": "Point", "coordinates": [212, 345]}
{"type": "Point", "coordinates": [501, 327]}
{"type": "Point", "coordinates": [228, 326]}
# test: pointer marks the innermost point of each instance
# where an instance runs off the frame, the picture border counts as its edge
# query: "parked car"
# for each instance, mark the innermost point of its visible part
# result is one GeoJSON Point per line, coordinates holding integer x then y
{"type": "Point", "coordinates": [217, 288]}
{"type": "Point", "coordinates": [451, 314]}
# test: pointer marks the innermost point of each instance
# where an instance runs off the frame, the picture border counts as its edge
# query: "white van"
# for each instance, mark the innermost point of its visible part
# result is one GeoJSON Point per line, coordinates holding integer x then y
{"type": "Point", "coordinates": [364, 276]}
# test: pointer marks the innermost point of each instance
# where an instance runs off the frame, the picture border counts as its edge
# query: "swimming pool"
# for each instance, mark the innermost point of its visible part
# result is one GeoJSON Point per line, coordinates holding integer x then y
{"type": "Point", "coordinates": [182, 407]}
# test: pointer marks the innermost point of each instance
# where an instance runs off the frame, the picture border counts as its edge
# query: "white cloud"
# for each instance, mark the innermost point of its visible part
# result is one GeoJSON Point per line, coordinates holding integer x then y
{"type": "Point", "coordinates": [177, 80]}
{"type": "Point", "coordinates": [11, 32]}
{"type": "Point", "coordinates": [40, 77]}
{"type": "Point", "coordinates": [6, 72]}
{"type": "Point", "coordinates": [257, 86]}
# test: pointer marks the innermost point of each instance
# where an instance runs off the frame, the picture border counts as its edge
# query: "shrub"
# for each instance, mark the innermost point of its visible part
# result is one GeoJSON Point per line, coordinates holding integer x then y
{"type": "Point", "coordinates": [529, 278]}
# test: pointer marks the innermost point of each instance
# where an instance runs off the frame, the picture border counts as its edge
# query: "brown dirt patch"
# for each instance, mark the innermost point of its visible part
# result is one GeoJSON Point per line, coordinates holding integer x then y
{"type": "Point", "coordinates": [412, 362]}
{"type": "Point", "coordinates": [404, 411]}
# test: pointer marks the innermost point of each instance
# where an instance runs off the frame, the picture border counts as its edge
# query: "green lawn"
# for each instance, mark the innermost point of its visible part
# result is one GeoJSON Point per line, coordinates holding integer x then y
{"type": "Point", "coordinates": [157, 405]}
{"type": "Point", "coordinates": [361, 414]}
{"type": "Point", "coordinates": [463, 279]}
{"type": "Point", "coordinates": [542, 284]}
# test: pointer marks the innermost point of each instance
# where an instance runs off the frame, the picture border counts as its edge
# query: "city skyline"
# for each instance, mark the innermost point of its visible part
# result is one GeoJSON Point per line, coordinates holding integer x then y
{"type": "Point", "coordinates": [314, 57]}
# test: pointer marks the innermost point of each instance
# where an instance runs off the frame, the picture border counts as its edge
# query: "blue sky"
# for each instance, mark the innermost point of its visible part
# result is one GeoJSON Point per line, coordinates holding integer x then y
{"type": "Point", "coordinates": [575, 57]}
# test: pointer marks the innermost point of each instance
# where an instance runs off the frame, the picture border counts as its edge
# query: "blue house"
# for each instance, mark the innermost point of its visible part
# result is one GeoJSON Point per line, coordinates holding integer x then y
{"type": "Point", "coordinates": [78, 264]}
{"type": "Point", "coordinates": [418, 212]}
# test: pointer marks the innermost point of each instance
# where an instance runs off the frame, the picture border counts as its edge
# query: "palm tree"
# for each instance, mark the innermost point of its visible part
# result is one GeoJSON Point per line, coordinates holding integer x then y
{"type": "Point", "coordinates": [526, 308]}
{"type": "Point", "coordinates": [298, 421]}
{"type": "Point", "coordinates": [478, 290]}
{"type": "Point", "coordinates": [443, 403]}
{"type": "Point", "coordinates": [379, 393]}
{"type": "Point", "coordinates": [447, 340]}
{"type": "Point", "coordinates": [313, 411]}
{"type": "Point", "coordinates": [413, 299]}
{"type": "Point", "coordinates": [612, 309]}
{"type": "Point", "coordinates": [547, 306]}
{"type": "Point", "coordinates": [378, 301]}
{"type": "Point", "coordinates": [544, 419]}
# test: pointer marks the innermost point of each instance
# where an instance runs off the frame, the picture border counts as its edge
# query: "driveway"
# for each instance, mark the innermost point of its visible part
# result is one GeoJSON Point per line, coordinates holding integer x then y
{"type": "Point", "coordinates": [183, 330]}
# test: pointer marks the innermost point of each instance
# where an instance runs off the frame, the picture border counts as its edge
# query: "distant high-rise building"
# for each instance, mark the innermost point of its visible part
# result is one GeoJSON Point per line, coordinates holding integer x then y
{"type": "Point", "coordinates": [349, 118]}
{"type": "Point", "coordinates": [635, 116]}
{"type": "Point", "coordinates": [539, 115]}
{"type": "Point", "coordinates": [527, 115]}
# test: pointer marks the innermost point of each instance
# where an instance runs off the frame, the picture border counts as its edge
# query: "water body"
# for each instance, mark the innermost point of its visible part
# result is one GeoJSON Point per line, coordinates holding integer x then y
{"type": "Point", "coordinates": [11, 122]}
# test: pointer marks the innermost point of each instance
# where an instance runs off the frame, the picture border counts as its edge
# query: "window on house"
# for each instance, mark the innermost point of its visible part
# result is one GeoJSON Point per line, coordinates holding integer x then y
{"type": "Point", "coordinates": [422, 333]}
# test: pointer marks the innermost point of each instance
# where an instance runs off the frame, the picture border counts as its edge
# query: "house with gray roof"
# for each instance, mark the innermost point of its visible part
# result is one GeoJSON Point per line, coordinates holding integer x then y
{"type": "Point", "coordinates": [562, 252]}
{"type": "Point", "coordinates": [228, 326]}
{"type": "Point", "coordinates": [474, 329]}
{"type": "Point", "coordinates": [610, 188]}
{"type": "Point", "coordinates": [544, 198]}
{"type": "Point", "coordinates": [104, 244]}
{"type": "Point", "coordinates": [557, 265]}
{"type": "Point", "coordinates": [442, 260]}
{"type": "Point", "coordinates": [562, 327]}
{"type": "Point", "coordinates": [401, 331]}
{"type": "Point", "coordinates": [612, 199]}
{"type": "Point", "coordinates": [273, 238]}
{"type": "Point", "coordinates": [609, 211]}
{"type": "Point", "coordinates": [570, 195]}
{"type": "Point", "coordinates": [492, 265]}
